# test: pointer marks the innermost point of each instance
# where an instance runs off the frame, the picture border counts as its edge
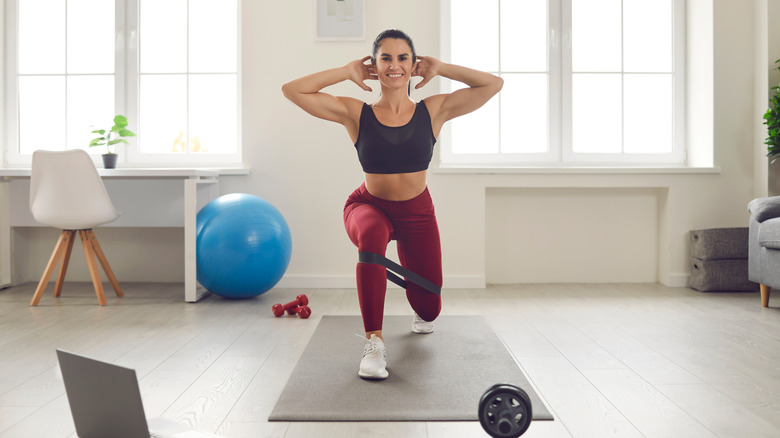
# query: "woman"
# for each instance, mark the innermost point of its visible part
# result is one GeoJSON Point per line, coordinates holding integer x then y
{"type": "Point", "coordinates": [394, 138]}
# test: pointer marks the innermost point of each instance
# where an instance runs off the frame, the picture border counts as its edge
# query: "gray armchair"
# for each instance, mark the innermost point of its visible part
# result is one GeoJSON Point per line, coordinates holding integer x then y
{"type": "Point", "coordinates": [764, 247]}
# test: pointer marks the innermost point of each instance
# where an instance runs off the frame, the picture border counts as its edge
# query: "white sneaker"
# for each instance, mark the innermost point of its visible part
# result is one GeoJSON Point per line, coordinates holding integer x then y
{"type": "Point", "coordinates": [421, 326]}
{"type": "Point", "coordinates": [373, 365]}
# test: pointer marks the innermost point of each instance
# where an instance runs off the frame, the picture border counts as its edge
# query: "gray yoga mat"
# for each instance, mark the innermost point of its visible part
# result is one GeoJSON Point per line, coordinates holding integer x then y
{"type": "Point", "coordinates": [435, 377]}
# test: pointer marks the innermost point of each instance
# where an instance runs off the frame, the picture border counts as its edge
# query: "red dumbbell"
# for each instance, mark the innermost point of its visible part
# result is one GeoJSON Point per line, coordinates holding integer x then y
{"type": "Point", "coordinates": [300, 300]}
{"type": "Point", "coordinates": [303, 311]}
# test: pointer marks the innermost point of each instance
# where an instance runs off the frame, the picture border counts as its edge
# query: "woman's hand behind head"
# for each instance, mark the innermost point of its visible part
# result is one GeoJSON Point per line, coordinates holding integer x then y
{"type": "Point", "coordinates": [426, 67]}
{"type": "Point", "coordinates": [360, 71]}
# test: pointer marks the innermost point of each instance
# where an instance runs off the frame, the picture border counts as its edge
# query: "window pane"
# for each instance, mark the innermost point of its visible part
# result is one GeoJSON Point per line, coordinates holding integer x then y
{"type": "Point", "coordinates": [476, 132]}
{"type": "Point", "coordinates": [213, 36]}
{"type": "Point", "coordinates": [524, 35]}
{"type": "Point", "coordinates": [596, 35]}
{"type": "Point", "coordinates": [41, 36]}
{"type": "Point", "coordinates": [596, 113]}
{"type": "Point", "coordinates": [213, 114]}
{"type": "Point", "coordinates": [91, 36]}
{"type": "Point", "coordinates": [41, 113]}
{"type": "Point", "coordinates": [474, 34]}
{"type": "Point", "coordinates": [90, 107]}
{"type": "Point", "coordinates": [648, 35]}
{"type": "Point", "coordinates": [163, 36]}
{"type": "Point", "coordinates": [163, 124]}
{"type": "Point", "coordinates": [648, 113]}
{"type": "Point", "coordinates": [524, 106]}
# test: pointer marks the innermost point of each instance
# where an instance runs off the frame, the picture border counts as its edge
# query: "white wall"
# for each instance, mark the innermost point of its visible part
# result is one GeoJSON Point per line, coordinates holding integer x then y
{"type": "Point", "coordinates": [572, 234]}
{"type": "Point", "coordinates": [761, 89]}
{"type": "Point", "coordinates": [307, 167]}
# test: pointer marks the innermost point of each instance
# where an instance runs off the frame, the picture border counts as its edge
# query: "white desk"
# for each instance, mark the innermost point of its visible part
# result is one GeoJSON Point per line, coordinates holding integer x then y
{"type": "Point", "coordinates": [146, 198]}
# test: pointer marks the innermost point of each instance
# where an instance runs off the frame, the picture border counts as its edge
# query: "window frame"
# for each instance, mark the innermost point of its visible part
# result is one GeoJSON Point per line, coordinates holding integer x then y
{"type": "Point", "coordinates": [126, 96]}
{"type": "Point", "coordinates": [560, 153]}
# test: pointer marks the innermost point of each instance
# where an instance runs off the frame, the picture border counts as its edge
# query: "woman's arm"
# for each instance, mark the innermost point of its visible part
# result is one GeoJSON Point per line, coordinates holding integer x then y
{"type": "Point", "coordinates": [305, 92]}
{"type": "Point", "coordinates": [444, 107]}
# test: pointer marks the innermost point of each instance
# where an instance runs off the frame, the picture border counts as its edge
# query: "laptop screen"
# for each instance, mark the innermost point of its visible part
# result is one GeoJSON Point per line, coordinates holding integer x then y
{"type": "Point", "coordinates": [104, 398]}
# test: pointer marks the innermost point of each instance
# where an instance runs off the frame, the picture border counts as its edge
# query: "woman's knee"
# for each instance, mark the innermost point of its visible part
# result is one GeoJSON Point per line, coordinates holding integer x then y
{"type": "Point", "coordinates": [429, 313]}
{"type": "Point", "coordinates": [372, 236]}
{"type": "Point", "coordinates": [426, 304]}
{"type": "Point", "coordinates": [369, 231]}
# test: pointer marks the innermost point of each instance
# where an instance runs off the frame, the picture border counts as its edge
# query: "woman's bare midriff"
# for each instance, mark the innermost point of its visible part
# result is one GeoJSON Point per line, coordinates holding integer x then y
{"type": "Point", "coordinates": [396, 186]}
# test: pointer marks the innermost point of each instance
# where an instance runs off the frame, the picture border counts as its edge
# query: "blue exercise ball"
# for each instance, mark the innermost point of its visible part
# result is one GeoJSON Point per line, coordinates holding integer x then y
{"type": "Point", "coordinates": [243, 246]}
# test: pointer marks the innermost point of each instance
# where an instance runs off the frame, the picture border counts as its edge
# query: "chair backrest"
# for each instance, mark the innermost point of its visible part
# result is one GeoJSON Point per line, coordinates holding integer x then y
{"type": "Point", "coordinates": [67, 192]}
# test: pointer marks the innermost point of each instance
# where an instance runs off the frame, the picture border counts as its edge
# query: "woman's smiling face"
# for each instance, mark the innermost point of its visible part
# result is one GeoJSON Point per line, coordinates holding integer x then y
{"type": "Point", "coordinates": [394, 63]}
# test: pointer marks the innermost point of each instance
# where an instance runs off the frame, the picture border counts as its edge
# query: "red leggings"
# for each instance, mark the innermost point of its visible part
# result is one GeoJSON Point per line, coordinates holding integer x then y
{"type": "Point", "coordinates": [371, 224]}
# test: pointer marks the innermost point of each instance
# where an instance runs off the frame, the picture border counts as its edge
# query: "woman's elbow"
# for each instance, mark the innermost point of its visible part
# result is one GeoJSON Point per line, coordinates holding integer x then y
{"type": "Point", "coordinates": [499, 84]}
{"type": "Point", "coordinates": [286, 90]}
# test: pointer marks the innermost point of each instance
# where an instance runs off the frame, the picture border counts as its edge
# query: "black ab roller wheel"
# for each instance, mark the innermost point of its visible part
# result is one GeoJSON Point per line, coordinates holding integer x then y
{"type": "Point", "coordinates": [505, 411]}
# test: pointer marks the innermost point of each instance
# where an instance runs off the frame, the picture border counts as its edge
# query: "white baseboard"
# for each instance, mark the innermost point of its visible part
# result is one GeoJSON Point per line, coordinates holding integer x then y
{"type": "Point", "coordinates": [676, 280]}
{"type": "Point", "coordinates": [465, 282]}
{"type": "Point", "coordinates": [317, 282]}
{"type": "Point", "coordinates": [451, 282]}
{"type": "Point", "coordinates": [348, 282]}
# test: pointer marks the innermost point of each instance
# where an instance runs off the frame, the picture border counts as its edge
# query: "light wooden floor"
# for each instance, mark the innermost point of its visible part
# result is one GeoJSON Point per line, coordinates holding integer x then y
{"type": "Point", "coordinates": [610, 360]}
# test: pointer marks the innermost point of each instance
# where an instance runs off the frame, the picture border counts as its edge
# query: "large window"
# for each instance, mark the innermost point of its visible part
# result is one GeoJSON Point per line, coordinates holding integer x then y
{"type": "Point", "coordinates": [586, 82]}
{"type": "Point", "coordinates": [171, 66]}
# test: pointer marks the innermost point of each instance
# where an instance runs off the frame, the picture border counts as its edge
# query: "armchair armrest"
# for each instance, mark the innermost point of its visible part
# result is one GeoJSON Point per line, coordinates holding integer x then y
{"type": "Point", "coordinates": [765, 208]}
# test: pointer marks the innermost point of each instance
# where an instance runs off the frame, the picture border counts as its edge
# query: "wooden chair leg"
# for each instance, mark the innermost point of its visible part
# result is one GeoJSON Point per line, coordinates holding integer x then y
{"type": "Point", "coordinates": [55, 257]}
{"type": "Point", "coordinates": [765, 295]}
{"type": "Point", "coordinates": [65, 261]}
{"type": "Point", "coordinates": [93, 269]}
{"type": "Point", "coordinates": [104, 263]}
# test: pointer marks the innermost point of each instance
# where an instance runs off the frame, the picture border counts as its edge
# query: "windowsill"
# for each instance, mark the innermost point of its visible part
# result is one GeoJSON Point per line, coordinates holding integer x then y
{"type": "Point", "coordinates": [232, 171]}
{"type": "Point", "coordinates": [576, 170]}
{"type": "Point", "coordinates": [149, 172]}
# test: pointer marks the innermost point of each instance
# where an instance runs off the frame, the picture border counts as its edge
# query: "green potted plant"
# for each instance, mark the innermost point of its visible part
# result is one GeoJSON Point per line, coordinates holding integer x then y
{"type": "Point", "coordinates": [115, 135]}
{"type": "Point", "coordinates": [772, 121]}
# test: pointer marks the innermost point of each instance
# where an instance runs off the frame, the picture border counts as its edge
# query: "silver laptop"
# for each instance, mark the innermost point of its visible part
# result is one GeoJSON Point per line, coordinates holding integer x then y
{"type": "Point", "coordinates": [106, 402]}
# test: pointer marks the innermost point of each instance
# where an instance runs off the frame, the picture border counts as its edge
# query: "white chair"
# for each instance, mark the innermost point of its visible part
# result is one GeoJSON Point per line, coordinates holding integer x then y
{"type": "Point", "coordinates": [67, 192]}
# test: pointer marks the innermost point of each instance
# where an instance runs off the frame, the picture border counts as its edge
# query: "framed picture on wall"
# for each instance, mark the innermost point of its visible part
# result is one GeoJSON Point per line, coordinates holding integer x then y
{"type": "Point", "coordinates": [339, 20]}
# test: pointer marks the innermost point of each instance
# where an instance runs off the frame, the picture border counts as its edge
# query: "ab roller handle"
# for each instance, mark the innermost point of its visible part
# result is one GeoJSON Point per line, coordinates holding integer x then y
{"type": "Point", "coordinates": [298, 306]}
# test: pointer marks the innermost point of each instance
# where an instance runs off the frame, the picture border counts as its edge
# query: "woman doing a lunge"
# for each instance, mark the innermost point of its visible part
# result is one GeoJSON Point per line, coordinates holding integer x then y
{"type": "Point", "coordinates": [394, 138]}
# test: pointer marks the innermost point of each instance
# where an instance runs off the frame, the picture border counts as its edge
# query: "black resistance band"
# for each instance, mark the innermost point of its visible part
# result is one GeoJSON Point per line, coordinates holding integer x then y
{"type": "Point", "coordinates": [394, 268]}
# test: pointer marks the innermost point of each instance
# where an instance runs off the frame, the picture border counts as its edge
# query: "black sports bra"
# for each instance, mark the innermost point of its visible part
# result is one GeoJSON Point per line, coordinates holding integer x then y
{"type": "Point", "coordinates": [395, 149]}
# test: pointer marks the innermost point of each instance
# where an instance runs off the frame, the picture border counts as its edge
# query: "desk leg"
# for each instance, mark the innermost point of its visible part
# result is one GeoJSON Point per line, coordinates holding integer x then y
{"type": "Point", "coordinates": [192, 293]}
{"type": "Point", "coordinates": [192, 290]}
{"type": "Point", "coordinates": [5, 234]}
